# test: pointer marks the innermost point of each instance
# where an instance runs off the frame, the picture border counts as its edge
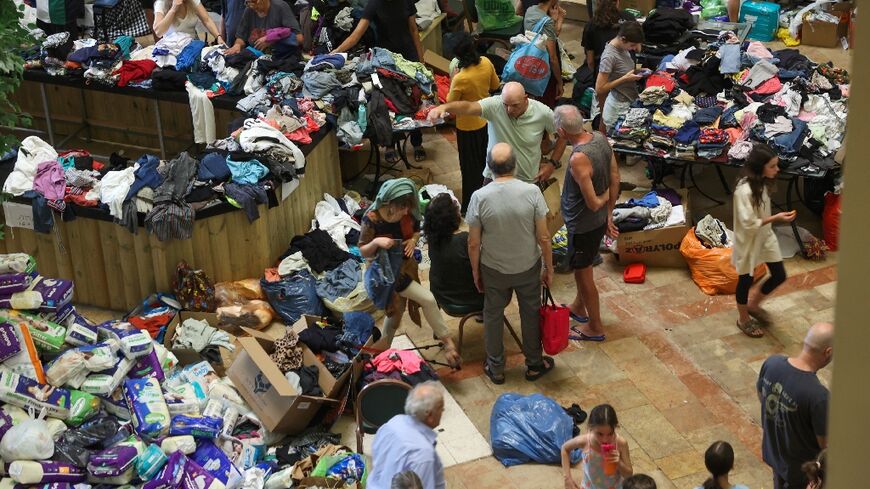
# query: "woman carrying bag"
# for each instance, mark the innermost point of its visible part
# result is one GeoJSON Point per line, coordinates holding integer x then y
{"type": "Point", "coordinates": [552, 16]}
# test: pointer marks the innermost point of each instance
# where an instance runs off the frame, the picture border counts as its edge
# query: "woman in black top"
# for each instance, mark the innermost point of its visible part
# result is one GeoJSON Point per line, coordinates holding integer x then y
{"type": "Point", "coordinates": [450, 276]}
{"type": "Point", "coordinates": [601, 30]}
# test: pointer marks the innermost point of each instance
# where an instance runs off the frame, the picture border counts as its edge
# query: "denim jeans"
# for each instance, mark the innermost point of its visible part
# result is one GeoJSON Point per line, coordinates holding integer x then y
{"type": "Point", "coordinates": [381, 275]}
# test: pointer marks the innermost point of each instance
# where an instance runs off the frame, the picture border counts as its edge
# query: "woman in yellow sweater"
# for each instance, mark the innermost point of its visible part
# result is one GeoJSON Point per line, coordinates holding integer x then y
{"type": "Point", "coordinates": [474, 81]}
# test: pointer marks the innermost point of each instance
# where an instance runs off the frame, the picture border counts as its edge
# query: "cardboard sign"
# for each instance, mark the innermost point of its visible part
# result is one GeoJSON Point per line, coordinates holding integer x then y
{"type": "Point", "coordinates": [18, 215]}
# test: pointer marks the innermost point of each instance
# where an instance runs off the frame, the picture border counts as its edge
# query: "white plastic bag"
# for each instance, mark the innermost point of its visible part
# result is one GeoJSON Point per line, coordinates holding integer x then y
{"type": "Point", "coordinates": [30, 440]}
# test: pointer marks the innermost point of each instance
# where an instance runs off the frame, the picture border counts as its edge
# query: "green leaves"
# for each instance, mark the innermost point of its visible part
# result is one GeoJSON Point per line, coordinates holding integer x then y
{"type": "Point", "coordinates": [13, 36]}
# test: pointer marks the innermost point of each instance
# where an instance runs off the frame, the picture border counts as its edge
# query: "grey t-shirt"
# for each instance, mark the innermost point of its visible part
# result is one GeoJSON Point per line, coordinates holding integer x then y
{"type": "Point", "coordinates": [617, 62]}
{"type": "Point", "coordinates": [533, 15]}
{"type": "Point", "coordinates": [252, 26]}
{"type": "Point", "coordinates": [794, 411]}
{"type": "Point", "coordinates": [578, 218]}
{"type": "Point", "coordinates": [506, 213]}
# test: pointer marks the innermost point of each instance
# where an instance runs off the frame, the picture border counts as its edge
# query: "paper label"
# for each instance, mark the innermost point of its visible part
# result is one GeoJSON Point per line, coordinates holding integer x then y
{"type": "Point", "coordinates": [18, 215]}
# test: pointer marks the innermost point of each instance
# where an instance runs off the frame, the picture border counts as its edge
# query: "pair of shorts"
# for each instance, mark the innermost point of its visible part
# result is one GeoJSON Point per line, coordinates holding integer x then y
{"type": "Point", "coordinates": [583, 247]}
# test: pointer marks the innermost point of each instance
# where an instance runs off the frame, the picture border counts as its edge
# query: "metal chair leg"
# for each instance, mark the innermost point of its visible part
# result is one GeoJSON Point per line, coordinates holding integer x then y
{"type": "Point", "coordinates": [513, 333]}
{"type": "Point", "coordinates": [462, 330]}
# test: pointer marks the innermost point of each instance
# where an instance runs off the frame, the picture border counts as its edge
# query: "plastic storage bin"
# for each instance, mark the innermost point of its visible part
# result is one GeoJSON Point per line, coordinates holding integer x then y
{"type": "Point", "coordinates": [764, 17]}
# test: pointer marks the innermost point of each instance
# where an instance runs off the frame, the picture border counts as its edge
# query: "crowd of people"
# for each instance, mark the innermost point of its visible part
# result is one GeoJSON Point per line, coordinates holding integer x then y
{"type": "Point", "coordinates": [510, 144]}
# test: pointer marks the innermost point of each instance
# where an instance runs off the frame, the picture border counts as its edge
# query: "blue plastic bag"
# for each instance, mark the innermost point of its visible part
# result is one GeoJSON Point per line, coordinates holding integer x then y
{"type": "Point", "coordinates": [529, 429]}
{"type": "Point", "coordinates": [529, 65]}
{"type": "Point", "coordinates": [293, 296]}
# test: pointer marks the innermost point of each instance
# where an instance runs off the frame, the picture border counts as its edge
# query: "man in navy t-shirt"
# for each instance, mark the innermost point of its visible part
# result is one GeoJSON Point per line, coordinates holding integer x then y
{"type": "Point", "coordinates": [794, 407]}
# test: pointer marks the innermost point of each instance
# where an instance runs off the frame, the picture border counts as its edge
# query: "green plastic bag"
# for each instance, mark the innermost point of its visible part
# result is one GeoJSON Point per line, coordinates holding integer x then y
{"type": "Point", "coordinates": [494, 15]}
{"type": "Point", "coordinates": [713, 8]}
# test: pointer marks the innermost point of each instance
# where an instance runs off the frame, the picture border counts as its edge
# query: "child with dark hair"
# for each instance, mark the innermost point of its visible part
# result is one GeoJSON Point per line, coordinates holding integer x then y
{"type": "Point", "coordinates": [719, 460]}
{"type": "Point", "coordinates": [815, 471]}
{"type": "Point", "coordinates": [605, 457]}
{"type": "Point", "coordinates": [639, 481]}
{"type": "Point", "coordinates": [754, 240]}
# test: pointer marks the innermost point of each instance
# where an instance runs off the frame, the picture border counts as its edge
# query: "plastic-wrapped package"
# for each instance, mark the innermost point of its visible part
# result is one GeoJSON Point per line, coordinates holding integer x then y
{"type": "Point", "coordinates": [148, 409]}
{"type": "Point", "coordinates": [82, 406]}
{"type": "Point", "coordinates": [112, 462]}
{"type": "Point", "coordinates": [17, 263]}
{"type": "Point", "coordinates": [197, 426]}
{"type": "Point", "coordinates": [282, 479]}
{"type": "Point", "coordinates": [215, 461]}
{"type": "Point", "coordinates": [26, 362]}
{"type": "Point", "coordinates": [101, 356]}
{"type": "Point", "coordinates": [9, 344]}
{"type": "Point", "coordinates": [254, 478]}
{"type": "Point", "coordinates": [68, 365]}
{"type": "Point", "coordinates": [170, 475]}
{"type": "Point", "coordinates": [107, 381]}
{"type": "Point", "coordinates": [29, 440]}
{"type": "Point", "coordinates": [135, 343]}
{"type": "Point", "coordinates": [184, 444]}
{"type": "Point", "coordinates": [27, 393]}
{"type": "Point", "coordinates": [150, 462]}
{"type": "Point", "coordinates": [147, 366]}
{"type": "Point", "coordinates": [23, 301]}
{"type": "Point", "coordinates": [195, 477]}
{"type": "Point", "coordinates": [255, 314]}
{"type": "Point", "coordinates": [47, 336]}
{"type": "Point", "coordinates": [30, 472]}
{"type": "Point", "coordinates": [116, 405]}
{"type": "Point", "coordinates": [239, 292]}
{"type": "Point", "coordinates": [11, 283]}
{"type": "Point", "coordinates": [529, 429]}
{"type": "Point", "coordinates": [80, 330]}
{"type": "Point", "coordinates": [55, 292]}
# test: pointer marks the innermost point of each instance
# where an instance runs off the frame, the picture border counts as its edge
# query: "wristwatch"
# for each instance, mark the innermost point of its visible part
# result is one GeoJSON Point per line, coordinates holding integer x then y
{"type": "Point", "coordinates": [552, 162]}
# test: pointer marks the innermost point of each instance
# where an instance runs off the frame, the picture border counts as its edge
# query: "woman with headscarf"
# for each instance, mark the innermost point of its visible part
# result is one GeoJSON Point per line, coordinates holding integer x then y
{"type": "Point", "coordinates": [392, 220]}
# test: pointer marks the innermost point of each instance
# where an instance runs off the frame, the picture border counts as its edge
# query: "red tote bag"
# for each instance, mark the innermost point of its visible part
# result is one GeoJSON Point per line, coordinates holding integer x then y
{"type": "Point", "coordinates": [554, 324]}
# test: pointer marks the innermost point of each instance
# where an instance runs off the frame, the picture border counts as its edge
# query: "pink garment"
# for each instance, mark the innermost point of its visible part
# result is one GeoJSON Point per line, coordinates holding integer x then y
{"type": "Point", "coordinates": [772, 85]}
{"type": "Point", "coordinates": [403, 361]}
{"type": "Point", "coordinates": [748, 120]}
{"type": "Point", "coordinates": [758, 50]}
{"type": "Point", "coordinates": [49, 180]}
{"type": "Point", "coordinates": [277, 33]}
{"type": "Point", "coordinates": [300, 136]}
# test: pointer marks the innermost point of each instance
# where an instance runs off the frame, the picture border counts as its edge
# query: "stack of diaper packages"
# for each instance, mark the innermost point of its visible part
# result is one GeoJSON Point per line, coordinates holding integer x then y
{"type": "Point", "coordinates": [88, 405]}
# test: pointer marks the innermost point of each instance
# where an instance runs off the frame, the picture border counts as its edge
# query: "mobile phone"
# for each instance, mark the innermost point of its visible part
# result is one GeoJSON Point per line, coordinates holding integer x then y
{"type": "Point", "coordinates": [644, 72]}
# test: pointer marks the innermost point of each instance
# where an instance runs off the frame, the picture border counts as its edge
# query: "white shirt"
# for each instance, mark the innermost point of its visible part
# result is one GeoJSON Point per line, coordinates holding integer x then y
{"type": "Point", "coordinates": [754, 244]}
{"type": "Point", "coordinates": [186, 24]}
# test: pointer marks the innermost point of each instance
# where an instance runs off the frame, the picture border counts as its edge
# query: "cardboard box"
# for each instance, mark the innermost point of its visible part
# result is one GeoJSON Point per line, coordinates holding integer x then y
{"type": "Point", "coordinates": [644, 6]}
{"type": "Point", "coordinates": [656, 247]}
{"type": "Point", "coordinates": [827, 34]}
{"type": "Point", "coordinates": [553, 198]}
{"type": "Point", "coordinates": [189, 357]}
{"type": "Point", "coordinates": [260, 382]}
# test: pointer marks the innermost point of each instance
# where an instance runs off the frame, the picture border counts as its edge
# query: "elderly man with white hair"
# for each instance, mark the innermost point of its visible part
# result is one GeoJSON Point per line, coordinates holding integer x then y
{"type": "Point", "coordinates": [524, 124]}
{"type": "Point", "coordinates": [407, 442]}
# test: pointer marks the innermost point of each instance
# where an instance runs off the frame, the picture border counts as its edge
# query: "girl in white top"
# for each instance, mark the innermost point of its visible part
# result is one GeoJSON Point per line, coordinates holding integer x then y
{"type": "Point", "coordinates": [754, 240]}
{"type": "Point", "coordinates": [182, 16]}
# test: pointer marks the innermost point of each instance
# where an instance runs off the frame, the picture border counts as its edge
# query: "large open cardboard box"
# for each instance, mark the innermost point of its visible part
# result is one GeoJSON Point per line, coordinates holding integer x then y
{"type": "Point", "coordinates": [656, 247]}
{"type": "Point", "coordinates": [188, 357]}
{"type": "Point", "coordinates": [827, 34]}
{"type": "Point", "coordinates": [260, 382]}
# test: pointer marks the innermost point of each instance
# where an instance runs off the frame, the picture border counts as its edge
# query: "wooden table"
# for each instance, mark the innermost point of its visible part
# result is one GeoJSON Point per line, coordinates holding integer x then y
{"type": "Point", "coordinates": [432, 36]}
{"type": "Point", "coordinates": [115, 269]}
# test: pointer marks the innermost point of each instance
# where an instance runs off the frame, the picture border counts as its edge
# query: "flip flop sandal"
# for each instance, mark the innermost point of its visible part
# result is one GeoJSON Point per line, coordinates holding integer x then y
{"type": "Point", "coordinates": [495, 379]}
{"type": "Point", "coordinates": [540, 370]}
{"type": "Point", "coordinates": [577, 317]}
{"type": "Point", "coordinates": [391, 156]}
{"type": "Point", "coordinates": [751, 328]}
{"type": "Point", "coordinates": [419, 153]}
{"type": "Point", "coordinates": [581, 336]}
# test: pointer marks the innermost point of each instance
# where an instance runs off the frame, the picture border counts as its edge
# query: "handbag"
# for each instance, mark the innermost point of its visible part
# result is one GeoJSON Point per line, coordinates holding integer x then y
{"type": "Point", "coordinates": [554, 324]}
{"type": "Point", "coordinates": [193, 289]}
{"type": "Point", "coordinates": [529, 65]}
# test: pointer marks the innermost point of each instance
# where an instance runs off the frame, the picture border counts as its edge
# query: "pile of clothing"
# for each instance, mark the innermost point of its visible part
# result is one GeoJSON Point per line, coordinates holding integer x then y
{"type": "Point", "coordinates": [713, 103]}
{"type": "Point", "coordinates": [245, 172]}
{"type": "Point", "coordinates": [654, 210]}
{"type": "Point", "coordinates": [116, 406]}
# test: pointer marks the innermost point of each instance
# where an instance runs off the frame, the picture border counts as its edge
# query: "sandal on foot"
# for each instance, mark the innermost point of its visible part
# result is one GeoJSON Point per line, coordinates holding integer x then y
{"type": "Point", "coordinates": [419, 153]}
{"type": "Point", "coordinates": [391, 156]}
{"type": "Point", "coordinates": [762, 316]}
{"type": "Point", "coordinates": [540, 370]}
{"type": "Point", "coordinates": [495, 379]}
{"type": "Point", "coordinates": [577, 317]}
{"type": "Point", "coordinates": [750, 328]}
{"type": "Point", "coordinates": [581, 336]}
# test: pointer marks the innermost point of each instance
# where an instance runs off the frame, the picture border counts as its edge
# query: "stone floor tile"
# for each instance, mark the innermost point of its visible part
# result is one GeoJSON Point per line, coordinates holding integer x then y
{"type": "Point", "coordinates": [621, 394]}
{"type": "Point", "coordinates": [689, 417]}
{"type": "Point", "coordinates": [592, 365]}
{"type": "Point", "coordinates": [653, 432]}
{"type": "Point", "coordinates": [682, 464]}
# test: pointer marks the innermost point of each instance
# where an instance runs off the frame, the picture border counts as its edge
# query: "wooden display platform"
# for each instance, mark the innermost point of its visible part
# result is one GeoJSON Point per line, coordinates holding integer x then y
{"type": "Point", "coordinates": [115, 269]}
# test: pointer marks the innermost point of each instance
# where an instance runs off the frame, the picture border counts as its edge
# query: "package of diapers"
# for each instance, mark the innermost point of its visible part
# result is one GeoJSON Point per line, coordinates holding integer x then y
{"type": "Point", "coordinates": [27, 393]}
{"type": "Point", "coordinates": [11, 283]}
{"type": "Point", "coordinates": [79, 330]}
{"type": "Point", "coordinates": [179, 405]}
{"type": "Point", "coordinates": [22, 301]}
{"type": "Point", "coordinates": [112, 462]}
{"type": "Point", "coordinates": [47, 336]}
{"type": "Point", "coordinates": [115, 405]}
{"type": "Point", "coordinates": [148, 409]}
{"type": "Point", "coordinates": [82, 407]}
{"type": "Point", "coordinates": [56, 292]}
{"type": "Point", "coordinates": [207, 427]}
{"type": "Point", "coordinates": [215, 461]}
{"type": "Point", "coordinates": [60, 316]}
{"type": "Point", "coordinates": [17, 263]}
{"type": "Point", "coordinates": [26, 362]}
{"type": "Point", "coordinates": [68, 365]}
{"type": "Point", "coordinates": [9, 343]}
{"type": "Point", "coordinates": [31, 472]}
{"type": "Point", "coordinates": [150, 462]}
{"type": "Point", "coordinates": [148, 366]}
{"type": "Point", "coordinates": [184, 444]}
{"type": "Point", "coordinates": [195, 477]}
{"type": "Point", "coordinates": [134, 342]}
{"type": "Point", "coordinates": [170, 475]}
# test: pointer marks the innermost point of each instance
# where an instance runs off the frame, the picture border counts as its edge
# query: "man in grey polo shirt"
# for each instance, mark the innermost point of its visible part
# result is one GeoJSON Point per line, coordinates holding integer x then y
{"type": "Point", "coordinates": [507, 237]}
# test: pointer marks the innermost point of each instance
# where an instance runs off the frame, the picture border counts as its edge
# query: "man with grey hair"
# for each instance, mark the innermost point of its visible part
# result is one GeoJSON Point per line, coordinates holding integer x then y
{"type": "Point", "coordinates": [588, 196]}
{"type": "Point", "coordinates": [514, 119]}
{"type": "Point", "coordinates": [507, 237]}
{"type": "Point", "coordinates": [794, 407]}
{"type": "Point", "coordinates": [407, 441]}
